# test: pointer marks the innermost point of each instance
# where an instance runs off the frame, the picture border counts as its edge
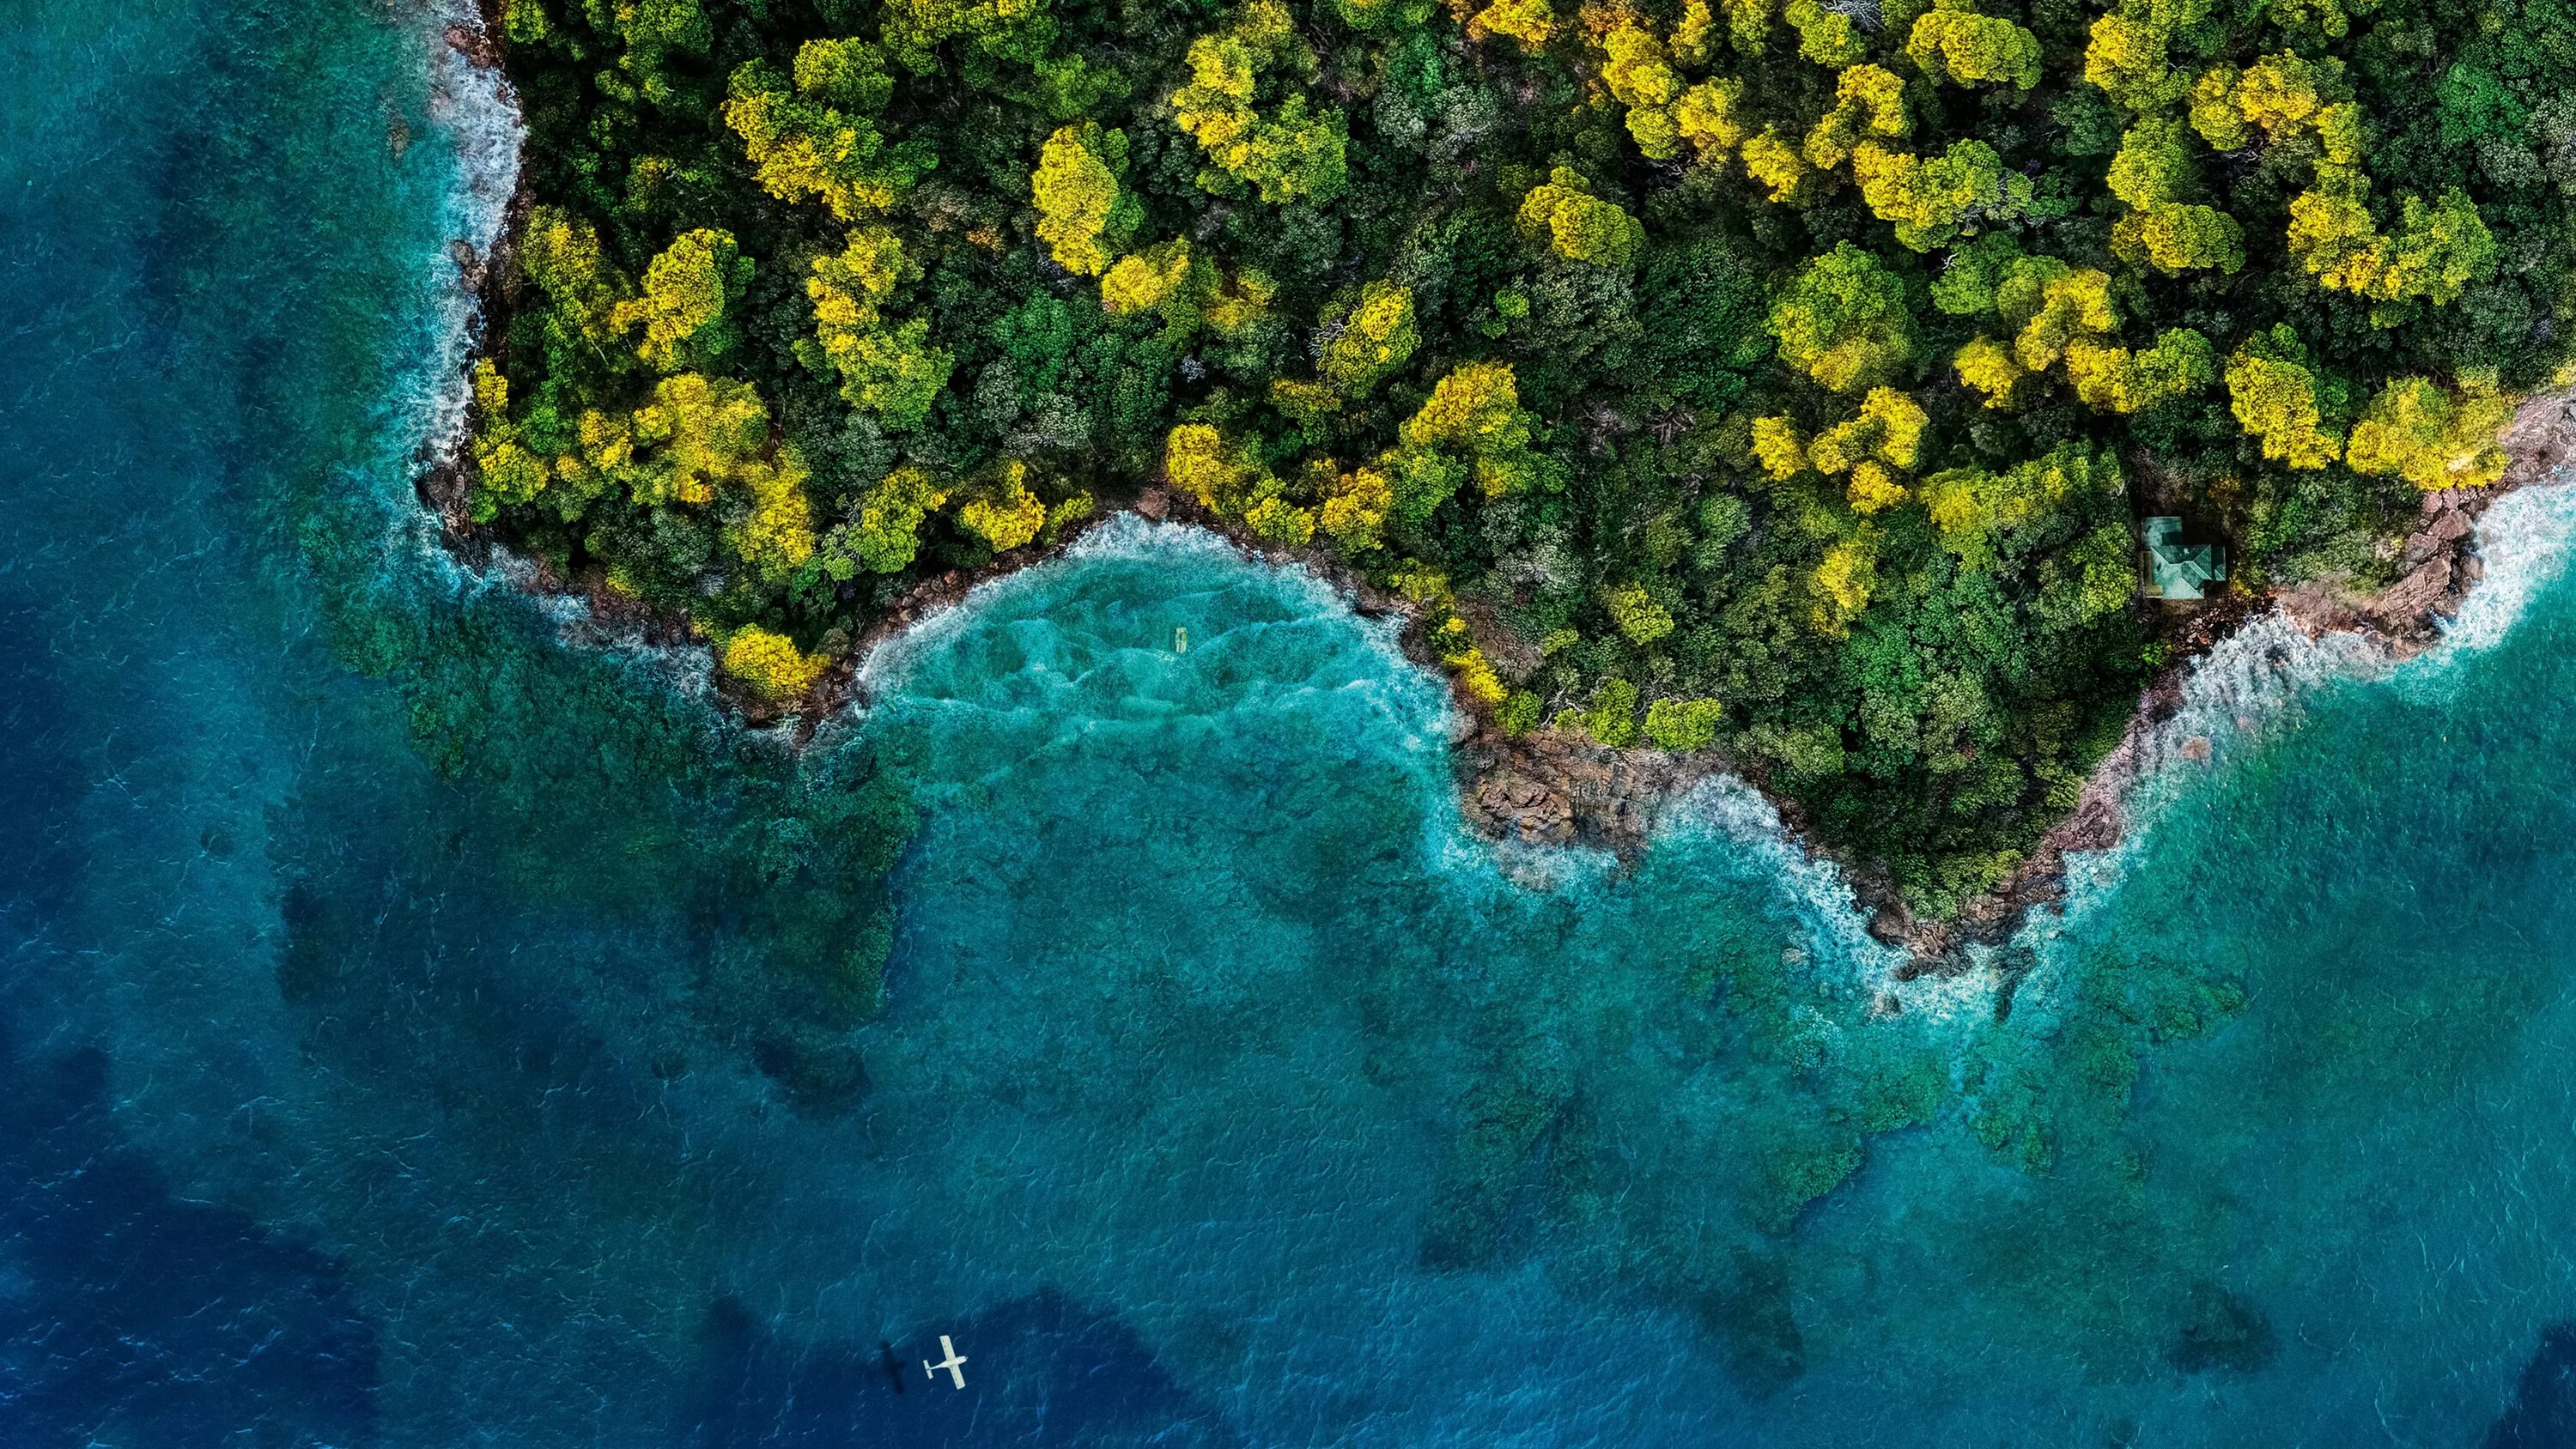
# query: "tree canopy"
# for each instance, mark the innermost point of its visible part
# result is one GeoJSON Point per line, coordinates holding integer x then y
{"type": "Point", "coordinates": [1780, 377]}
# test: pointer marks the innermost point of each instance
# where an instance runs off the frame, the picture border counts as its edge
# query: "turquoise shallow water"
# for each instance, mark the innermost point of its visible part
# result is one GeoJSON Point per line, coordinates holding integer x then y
{"type": "Point", "coordinates": [402, 1007]}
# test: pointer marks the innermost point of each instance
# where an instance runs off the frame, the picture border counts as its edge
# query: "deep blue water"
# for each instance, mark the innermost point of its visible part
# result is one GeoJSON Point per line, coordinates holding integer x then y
{"type": "Point", "coordinates": [417, 1030]}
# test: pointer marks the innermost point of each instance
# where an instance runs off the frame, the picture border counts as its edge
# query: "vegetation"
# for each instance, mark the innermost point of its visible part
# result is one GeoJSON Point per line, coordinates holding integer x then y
{"type": "Point", "coordinates": [1779, 378]}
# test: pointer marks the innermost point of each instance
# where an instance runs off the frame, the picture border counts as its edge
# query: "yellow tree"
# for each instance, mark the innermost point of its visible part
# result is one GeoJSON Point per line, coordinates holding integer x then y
{"type": "Point", "coordinates": [1971, 507]}
{"type": "Point", "coordinates": [1530, 22]}
{"type": "Point", "coordinates": [1355, 510]}
{"type": "Point", "coordinates": [1710, 115]}
{"type": "Point", "coordinates": [2274, 397]}
{"type": "Point", "coordinates": [2053, 304]}
{"type": "Point", "coordinates": [1875, 448]}
{"type": "Point", "coordinates": [688, 290]}
{"type": "Point", "coordinates": [561, 255]}
{"type": "Point", "coordinates": [1889, 428]}
{"type": "Point", "coordinates": [892, 372]}
{"type": "Point", "coordinates": [1842, 584]}
{"type": "Point", "coordinates": [1372, 340]}
{"type": "Point", "coordinates": [1083, 214]}
{"type": "Point", "coordinates": [2150, 176]}
{"type": "Point", "coordinates": [2130, 52]}
{"type": "Point", "coordinates": [1778, 448]}
{"type": "Point", "coordinates": [506, 472]}
{"type": "Point", "coordinates": [1006, 514]}
{"type": "Point", "coordinates": [2111, 378]}
{"type": "Point", "coordinates": [1472, 425]}
{"type": "Point", "coordinates": [1640, 76]}
{"type": "Point", "coordinates": [2178, 237]}
{"type": "Point", "coordinates": [1869, 105]}
{"type": "Point", "coordinates": [1990, 367]}
{"type": "Point", "coordinates": [1772, 159]}
{"type": "Point", "coordinates": [2049, 306]}
{"type": "Point", "coordinates": [770, 665]}
{"type": "Point", "coordinates": [1579, 225]}
{"type": "Point", "coordinates": [887, 531]}
{"type": "Point", "coordinates": [803, 143]}
{"type": "Point", "coordinates": [696, 435]}
{"type": "Point", "coordinates": [1930, 202]}
{"type": "Point", "coordinates": [1952, 41]}
{"type": "Point", "coordinates": [1148, 280]}
{"type": "Point", "coordinates": [2430, 437]}
{"type": "Point", "coordinates": [2435, 252]}
{"type": "Point", "coordinates": [1294, 155]}
{"type": "Point", "coordinates": [774, 536]}
{"type": "Point", "coordinates": [1226, 477]}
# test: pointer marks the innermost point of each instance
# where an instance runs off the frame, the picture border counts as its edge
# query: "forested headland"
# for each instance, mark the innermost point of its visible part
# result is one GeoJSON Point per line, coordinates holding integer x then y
{"type": "Point", "coordinates": [1785, 379]}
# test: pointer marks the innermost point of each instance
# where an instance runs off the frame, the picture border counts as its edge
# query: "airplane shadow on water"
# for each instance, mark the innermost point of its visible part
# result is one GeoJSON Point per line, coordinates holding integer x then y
{"type": "Point", "coordinates": [1040, 1370]}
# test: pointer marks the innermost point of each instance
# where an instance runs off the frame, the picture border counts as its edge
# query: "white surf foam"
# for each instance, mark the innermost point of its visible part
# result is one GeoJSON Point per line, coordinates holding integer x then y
{"type": "Point", "coordinates": [2524, 541]}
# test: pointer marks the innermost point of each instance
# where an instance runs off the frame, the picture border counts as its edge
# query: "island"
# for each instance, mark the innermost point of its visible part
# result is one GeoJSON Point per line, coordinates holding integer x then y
{"type": "Point", "coordinates": [1786, 387]}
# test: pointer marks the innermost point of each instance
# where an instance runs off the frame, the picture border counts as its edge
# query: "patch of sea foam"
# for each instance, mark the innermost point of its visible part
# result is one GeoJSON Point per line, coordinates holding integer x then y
{"type": "Point", "coordinates": [476, 111]}
{"type": "Point", "coordinates": [1814, 890]}
{"type": "Point", "coordinates": [478, 114]}
{"type": "Point", "coordinates": [1124, 537]}
{"type": "Point", "coordinates": [2524, 540]}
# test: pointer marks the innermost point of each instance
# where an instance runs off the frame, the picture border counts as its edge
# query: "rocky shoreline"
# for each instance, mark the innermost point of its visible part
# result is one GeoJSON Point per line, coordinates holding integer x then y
{"type": "Point", "coordinates": [1553, 788]}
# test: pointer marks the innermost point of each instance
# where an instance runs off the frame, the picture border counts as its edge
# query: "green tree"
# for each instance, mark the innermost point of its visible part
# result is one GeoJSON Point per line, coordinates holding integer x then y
{"type": "Point", "coordinates": [654, 31]}
{"type": "Point", "coordinates": [1827, 37]}
{"type": "Point", "coordinates": [1005, 30]}
{"type": "Point", "coordinates": [1682, 725]}
{"type": "Point", "coordinates": [1843, 320]}
{"type": "Point", "coordinates": [1636, 613]}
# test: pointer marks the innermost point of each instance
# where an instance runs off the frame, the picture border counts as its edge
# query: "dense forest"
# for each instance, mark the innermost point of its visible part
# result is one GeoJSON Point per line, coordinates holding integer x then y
{"type": "Point", "coordinates": [1779, 378]}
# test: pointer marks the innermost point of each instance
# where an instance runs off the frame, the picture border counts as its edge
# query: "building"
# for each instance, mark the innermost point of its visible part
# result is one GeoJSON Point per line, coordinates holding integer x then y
{"type": "Point", "coordinates": [2173, 569]}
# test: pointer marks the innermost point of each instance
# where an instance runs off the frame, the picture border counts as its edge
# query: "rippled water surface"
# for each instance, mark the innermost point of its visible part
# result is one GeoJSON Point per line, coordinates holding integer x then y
{"type": "Point", "coordinates": [416, 1031]}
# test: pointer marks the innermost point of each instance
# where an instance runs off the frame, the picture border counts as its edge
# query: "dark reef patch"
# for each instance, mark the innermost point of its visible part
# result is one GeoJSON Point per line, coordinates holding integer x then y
{"type": "Point", "coordinates": [37, 775]}
{"type": "Point", "coordinates": [2543, 1412]}
{"type": "Point", "coordinates": [128, 1312]}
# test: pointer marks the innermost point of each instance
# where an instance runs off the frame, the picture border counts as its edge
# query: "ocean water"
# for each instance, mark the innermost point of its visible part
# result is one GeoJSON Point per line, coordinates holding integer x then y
{"type": "Point", "coordinates": [421, 1027]}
